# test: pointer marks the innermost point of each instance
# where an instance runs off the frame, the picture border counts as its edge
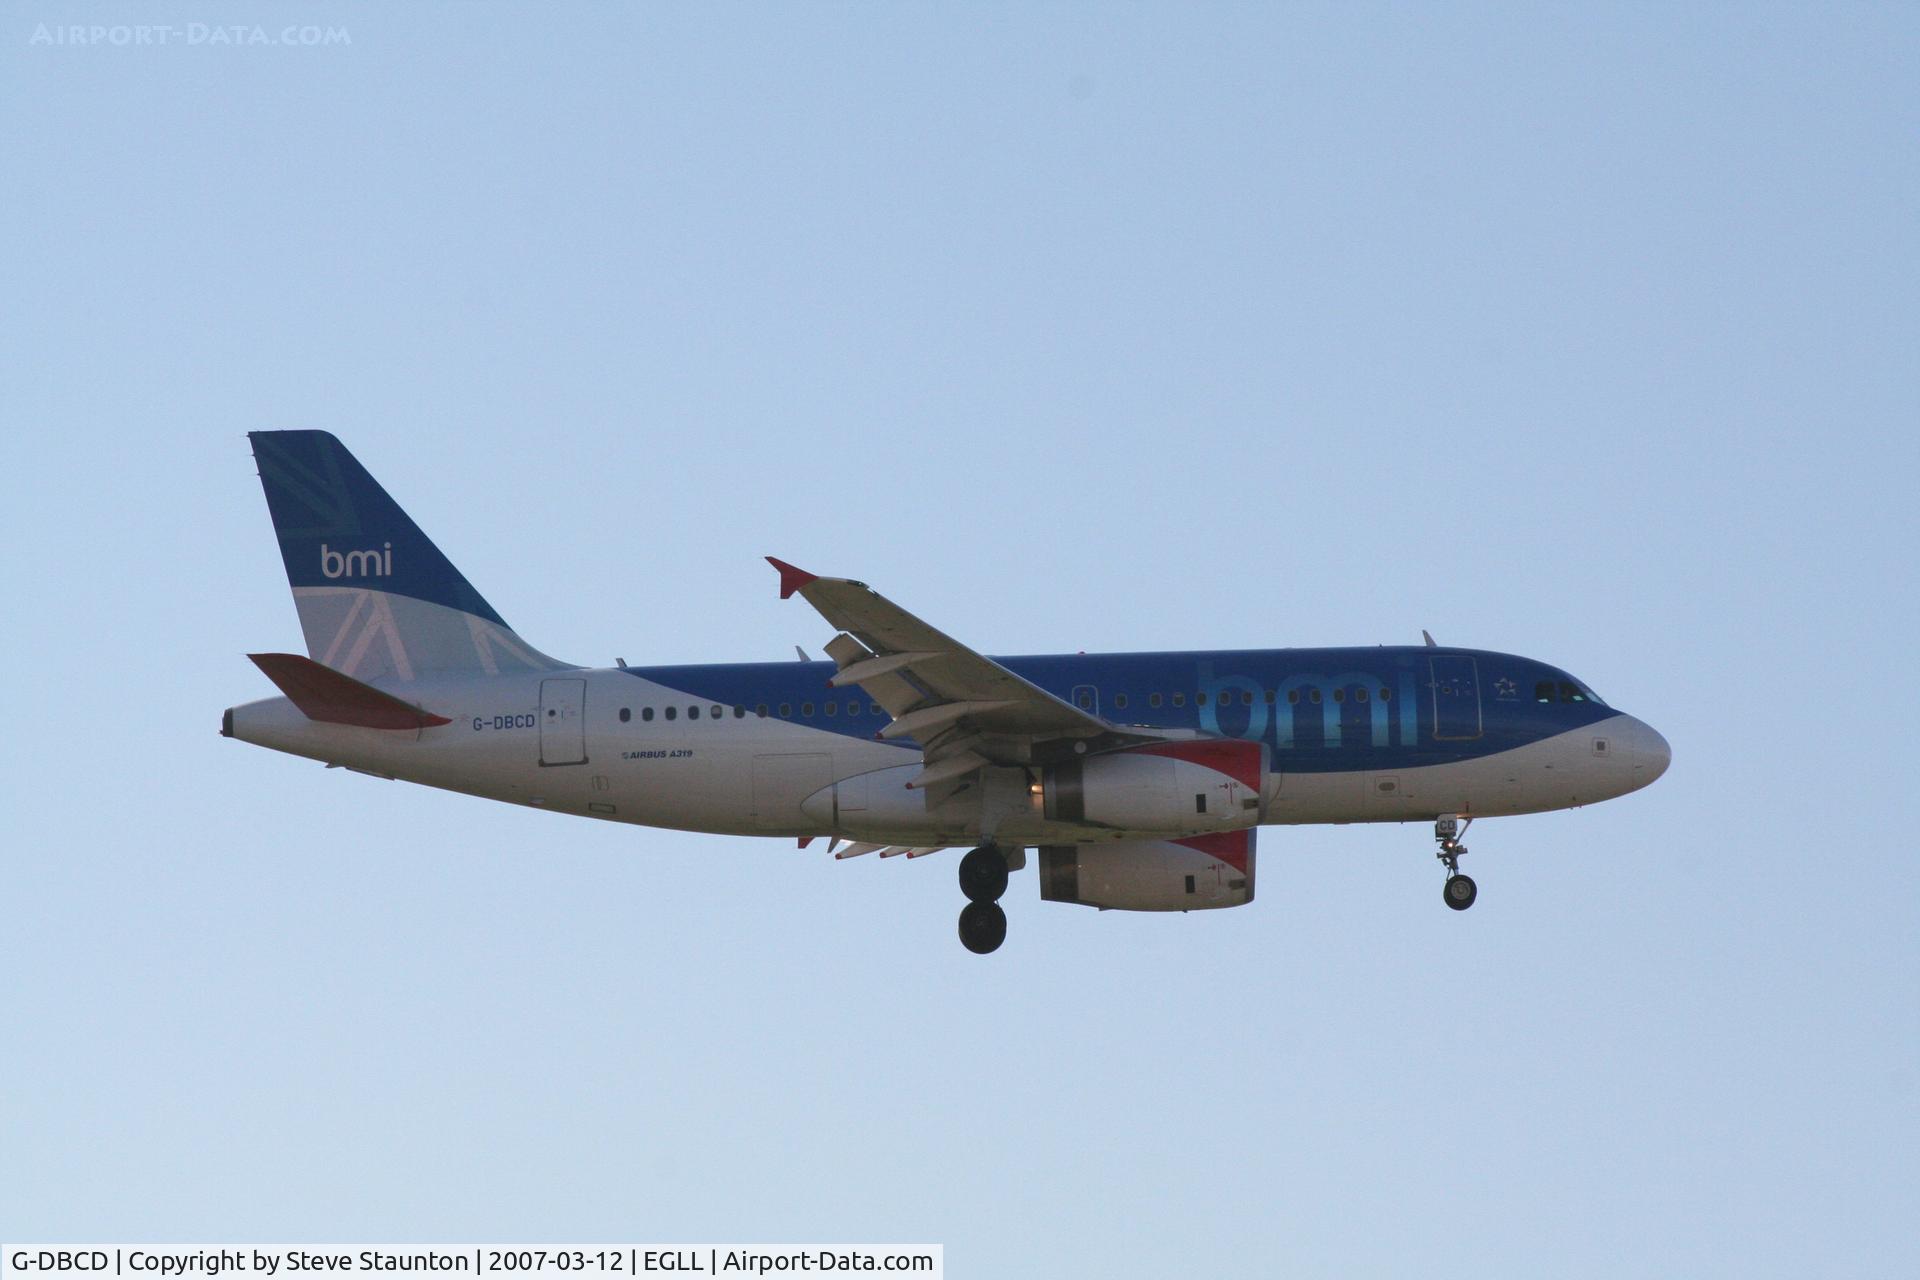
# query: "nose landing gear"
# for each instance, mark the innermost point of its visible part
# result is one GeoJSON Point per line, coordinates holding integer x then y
{"type": "Point", "coordinates": [1459, 890]}
{"type": "Point", "coordinates": [983, 878]}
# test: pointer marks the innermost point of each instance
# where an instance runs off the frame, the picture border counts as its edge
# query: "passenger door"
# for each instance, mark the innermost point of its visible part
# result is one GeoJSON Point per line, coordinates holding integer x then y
{"type": "Point", "coordinates": [1456, 697]}
{"type": "Point", "coordinates": [563, 722]}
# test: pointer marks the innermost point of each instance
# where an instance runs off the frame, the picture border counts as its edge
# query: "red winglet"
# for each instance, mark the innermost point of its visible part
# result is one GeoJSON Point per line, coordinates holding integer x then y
{"type": "Point", "coordinates": [324, 694]}
{"type": "Point", "coordinates": [791, 579]}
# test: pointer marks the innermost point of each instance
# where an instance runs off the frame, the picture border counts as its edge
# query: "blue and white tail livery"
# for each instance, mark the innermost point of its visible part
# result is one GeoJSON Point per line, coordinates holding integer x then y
{"type": "Point", "coordinates": [1140, 781]}
{"type": "Point", "coordinates": [376, 597]}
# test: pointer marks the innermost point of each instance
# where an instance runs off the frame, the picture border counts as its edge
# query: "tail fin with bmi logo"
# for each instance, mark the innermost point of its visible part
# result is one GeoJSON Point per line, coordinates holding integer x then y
{"type": "Point", "coordinates": [376, 597]}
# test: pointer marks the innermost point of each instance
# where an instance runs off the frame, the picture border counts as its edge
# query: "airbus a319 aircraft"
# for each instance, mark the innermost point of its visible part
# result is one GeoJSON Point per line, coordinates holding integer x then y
{"type": "Point", "coordinates": [1140, 780]}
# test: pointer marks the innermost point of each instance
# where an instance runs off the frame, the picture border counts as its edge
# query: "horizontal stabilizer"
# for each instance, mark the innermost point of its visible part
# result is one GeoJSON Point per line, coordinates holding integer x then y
{"type": "Point", "coordinates": [324, 694]}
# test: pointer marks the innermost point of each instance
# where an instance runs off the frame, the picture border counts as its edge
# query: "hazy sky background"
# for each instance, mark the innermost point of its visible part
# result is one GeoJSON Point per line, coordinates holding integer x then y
{"type": "Point", "coordinates": [1586, 333]}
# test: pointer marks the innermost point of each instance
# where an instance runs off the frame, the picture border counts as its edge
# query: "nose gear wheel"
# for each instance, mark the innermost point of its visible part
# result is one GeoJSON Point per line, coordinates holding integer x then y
{"type": "Point", "coordinates": [1459, 891]}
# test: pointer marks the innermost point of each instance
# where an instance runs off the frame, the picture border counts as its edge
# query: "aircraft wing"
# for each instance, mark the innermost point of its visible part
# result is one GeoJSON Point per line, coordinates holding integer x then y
{"type": "Point", "coordinates": [963, 708]}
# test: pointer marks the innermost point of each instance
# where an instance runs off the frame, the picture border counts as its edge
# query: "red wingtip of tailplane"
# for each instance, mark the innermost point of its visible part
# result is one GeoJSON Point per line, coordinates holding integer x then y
{"type": "Point", "coordinates": [330, 696]}
{"type": "Point", "coordinates": [791, 579]}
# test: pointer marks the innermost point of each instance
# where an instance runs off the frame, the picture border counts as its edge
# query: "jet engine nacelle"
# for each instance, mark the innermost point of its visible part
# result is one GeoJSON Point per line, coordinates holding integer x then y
{"type": "Point", "coordinates": [1195, 874]}
{"type": "Point", "coordinates": [1171, 788]}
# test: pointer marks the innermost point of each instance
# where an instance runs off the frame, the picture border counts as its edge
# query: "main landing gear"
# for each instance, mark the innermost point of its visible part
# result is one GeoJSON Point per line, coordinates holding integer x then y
{"type": "Point", "coordinates": [1459, 891]}
{"type": "Point", "coordinates": [983, 878]}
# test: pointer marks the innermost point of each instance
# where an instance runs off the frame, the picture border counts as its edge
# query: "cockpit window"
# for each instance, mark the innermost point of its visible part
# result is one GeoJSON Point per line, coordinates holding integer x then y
{"type": "Point", "coordinates": [1565, 691]}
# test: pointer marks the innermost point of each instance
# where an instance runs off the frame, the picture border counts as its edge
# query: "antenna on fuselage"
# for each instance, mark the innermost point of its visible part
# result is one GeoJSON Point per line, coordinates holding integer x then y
{"type": "Point", "coordinates": [1428, 637]}
{"type": "Point", "coordinates": [803, 654]}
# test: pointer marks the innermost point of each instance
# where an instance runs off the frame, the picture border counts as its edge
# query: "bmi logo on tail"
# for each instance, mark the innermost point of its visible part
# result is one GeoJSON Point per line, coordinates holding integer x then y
{"type": "Point", "coordinates": [357, 564]}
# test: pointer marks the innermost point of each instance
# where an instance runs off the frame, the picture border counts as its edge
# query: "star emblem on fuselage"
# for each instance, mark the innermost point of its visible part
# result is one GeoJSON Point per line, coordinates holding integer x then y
{"type": "Point", "coordinates": [1505, 688]}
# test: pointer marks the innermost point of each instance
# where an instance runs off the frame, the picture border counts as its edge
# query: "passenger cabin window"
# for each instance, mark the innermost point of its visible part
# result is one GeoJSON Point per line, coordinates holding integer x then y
{"type": "Point", "coordinates": [672, 712]}
{"type": "Point", "coordinates": [716, 712]}
{"type": "Point", "coordinates": [1199, 699]}
{"type": "Point", "coordinates": [646, 713]}
{"type": "Point", "coordinates": [1179, 699]}
{"type": "Point", "coordinates": [1120, 701]}
{"type": "Point", "coordinates": [693, 713]}
{"type": "Point", "coordinates": [786, 708]}
{"type": "Point", "coordinates": [1154, 699]}
{"type": "Point", "coordinates": [626, 714]}
{"type": "Point", "coordinates": [761, 710]}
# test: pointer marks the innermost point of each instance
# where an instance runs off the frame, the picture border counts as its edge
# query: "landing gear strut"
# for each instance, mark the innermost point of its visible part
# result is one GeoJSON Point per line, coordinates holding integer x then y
{"type": "Point", "coordinates": [983, 878]}
{"type": "Point", "coordinates": [1459, 891]}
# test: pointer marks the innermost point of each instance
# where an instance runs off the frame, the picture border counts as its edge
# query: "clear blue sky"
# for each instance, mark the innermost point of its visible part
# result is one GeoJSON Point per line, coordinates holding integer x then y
{"type": "Point", "coordinates": [1587, 333]}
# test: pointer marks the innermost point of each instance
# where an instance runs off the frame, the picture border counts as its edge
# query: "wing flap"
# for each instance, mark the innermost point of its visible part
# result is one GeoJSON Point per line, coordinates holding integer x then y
{"type": "Point", "coordinates": [937, 717]}
{"type": "Point", "coordinates": [865, 669]}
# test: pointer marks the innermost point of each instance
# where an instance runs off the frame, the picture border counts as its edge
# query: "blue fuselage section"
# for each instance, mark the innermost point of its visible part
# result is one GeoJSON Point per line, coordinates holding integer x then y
{"type": "Point", "coordinates": [1319, 710]}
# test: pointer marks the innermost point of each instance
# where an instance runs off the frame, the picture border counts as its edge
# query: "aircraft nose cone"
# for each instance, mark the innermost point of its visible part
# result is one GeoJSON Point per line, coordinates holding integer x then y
{"type": "Point", "coordinates": [1645, 750]}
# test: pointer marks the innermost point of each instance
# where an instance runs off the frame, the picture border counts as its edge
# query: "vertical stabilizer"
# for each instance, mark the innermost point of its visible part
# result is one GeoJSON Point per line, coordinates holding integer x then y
{"type": "Point", "coordinates": [376, 597]}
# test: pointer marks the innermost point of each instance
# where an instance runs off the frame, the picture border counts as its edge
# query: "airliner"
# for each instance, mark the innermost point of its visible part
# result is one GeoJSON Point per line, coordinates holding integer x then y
{"type": "Point", "coordinates": [1139, 780]}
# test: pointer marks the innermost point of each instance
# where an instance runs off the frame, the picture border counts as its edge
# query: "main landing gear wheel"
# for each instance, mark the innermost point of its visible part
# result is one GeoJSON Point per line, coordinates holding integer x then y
{"type": "Point", "coordinates": [983, 927]}
{"type": "Point", "coordinates": [1459, 891]}
{"type": "Point", "coordinates": [983, 874]}
{"type": "Point", "coordinates": [983, 878]}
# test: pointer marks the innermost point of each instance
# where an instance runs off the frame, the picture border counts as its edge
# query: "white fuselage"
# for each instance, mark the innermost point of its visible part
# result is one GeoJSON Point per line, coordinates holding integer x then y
{"type": "Point", "coordinates": [556, 741]}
